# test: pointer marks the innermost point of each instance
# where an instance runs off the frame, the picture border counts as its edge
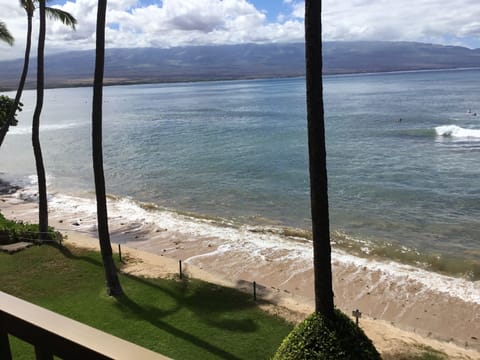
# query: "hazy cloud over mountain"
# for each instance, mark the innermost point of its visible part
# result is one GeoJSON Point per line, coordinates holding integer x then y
{"type": "Point", "coordinates": [170, 23]}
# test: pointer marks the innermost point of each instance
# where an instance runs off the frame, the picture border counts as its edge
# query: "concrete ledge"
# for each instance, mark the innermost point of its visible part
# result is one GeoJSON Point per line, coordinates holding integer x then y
{"type": "Point", "coordinates": [64, 337]}
{"type": "Point", "coordinates": [13, 248]}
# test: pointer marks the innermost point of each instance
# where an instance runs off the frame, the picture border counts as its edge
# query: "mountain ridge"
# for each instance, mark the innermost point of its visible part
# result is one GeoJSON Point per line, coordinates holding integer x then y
{"type": "Point", "coordinates": [244, 61]}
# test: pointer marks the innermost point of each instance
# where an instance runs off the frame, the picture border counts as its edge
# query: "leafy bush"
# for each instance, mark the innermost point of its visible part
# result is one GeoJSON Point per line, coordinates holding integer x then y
{"type": "Point", "coordinates": [317, 338]}
{"type": "Point", "coordinates": [6, 104]}
{"type": "Point", "coordinates": [12, 231]}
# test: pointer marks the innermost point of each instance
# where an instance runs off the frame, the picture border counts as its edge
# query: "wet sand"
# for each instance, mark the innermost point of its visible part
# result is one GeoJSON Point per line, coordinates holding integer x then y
{"type": "Point", "coordinates": [399, 309]}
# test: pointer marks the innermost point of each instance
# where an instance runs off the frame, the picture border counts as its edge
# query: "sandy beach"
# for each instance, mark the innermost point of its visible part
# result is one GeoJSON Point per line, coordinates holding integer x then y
{"type": "Point", "coordinates": [402, 307]}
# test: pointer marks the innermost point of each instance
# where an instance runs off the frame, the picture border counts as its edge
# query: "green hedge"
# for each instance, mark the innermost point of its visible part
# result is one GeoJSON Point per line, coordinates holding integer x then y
{"type": "Point", "coordinates": [318, 338]}
{"type": "Point", "coordinates": [14, 231]}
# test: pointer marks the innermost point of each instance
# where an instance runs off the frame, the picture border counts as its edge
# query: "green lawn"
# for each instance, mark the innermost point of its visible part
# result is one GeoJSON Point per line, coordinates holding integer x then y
{"type": "Point", "coordinates": [182, 319]}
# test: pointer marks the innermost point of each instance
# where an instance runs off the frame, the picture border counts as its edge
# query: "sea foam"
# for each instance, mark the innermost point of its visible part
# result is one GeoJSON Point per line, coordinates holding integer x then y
{"type": "Point", "coordinates": [24, 130]}
{"type": "Point", "coordinates": [457, 132]}
{"type": "Point", "coordinates": [255, 243]}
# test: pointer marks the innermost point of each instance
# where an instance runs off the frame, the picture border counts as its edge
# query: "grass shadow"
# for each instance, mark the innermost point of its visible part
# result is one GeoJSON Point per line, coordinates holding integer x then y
{"type": "Point", "coordinates": [180, 317]}
{"type": "Point", "coordinates": [65, 251]}
{"type": "Point", "coordinates": [154, 317]}
{"type": "Point", "coordinates": [204, 300]}
{"type": "Point", "coordinates": [199, 298]}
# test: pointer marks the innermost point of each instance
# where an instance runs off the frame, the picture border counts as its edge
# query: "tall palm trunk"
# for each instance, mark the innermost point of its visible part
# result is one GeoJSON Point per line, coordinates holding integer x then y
{"type": "Point", "coordinates": [318, 160]}
{"type": "Point", "coordinates": [21, 85]}
{"type": "Point", "coordinates": [113, 284]}
{"type": "Point", "coordinates": [56, 14]}
{"type": "Point", "coordinates": [42, 185]}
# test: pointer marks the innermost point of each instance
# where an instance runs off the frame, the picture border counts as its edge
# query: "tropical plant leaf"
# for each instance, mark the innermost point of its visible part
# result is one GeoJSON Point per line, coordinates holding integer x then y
{"type": "Point", "coordinates": [5, 34]}
{"type": "Point", "coordinates": [63, 16]}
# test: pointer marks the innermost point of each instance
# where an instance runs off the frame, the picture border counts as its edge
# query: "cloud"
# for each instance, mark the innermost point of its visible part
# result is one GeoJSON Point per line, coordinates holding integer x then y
{"type": "Point", "coordinates": [173, 23]}
{"type": "Point", "coordinates": [164, 23]}
{"type": "Point", "coordinates": [169, 23]}
{"type": "Point", "coordinates": [298, 11]}
{"type": "Point", "coordinates": [420, 20]}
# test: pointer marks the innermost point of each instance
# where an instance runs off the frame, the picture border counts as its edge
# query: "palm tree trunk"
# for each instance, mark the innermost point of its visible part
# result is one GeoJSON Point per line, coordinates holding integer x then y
{"type": "Point", "coordinates": [318, 160]}
{"type": "Point", "coordinates": [4, 130]}
{"type": "Point", "coordinates": [113, 284]}
{"type": "Point", "coordinates": [42, 185]}
{"type": "Point", "coordinates": [21, 85]}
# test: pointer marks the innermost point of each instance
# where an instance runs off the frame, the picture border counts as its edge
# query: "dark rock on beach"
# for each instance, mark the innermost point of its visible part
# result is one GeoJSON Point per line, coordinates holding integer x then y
{"type": "Point", "coordinates": [7, 188]}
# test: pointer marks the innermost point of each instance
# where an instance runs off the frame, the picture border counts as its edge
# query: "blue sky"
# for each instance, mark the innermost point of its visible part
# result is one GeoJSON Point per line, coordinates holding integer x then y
{"type": "Point", "coordinates": [169, 23]}
{"type": "Point", "coordinates": [272, 7]}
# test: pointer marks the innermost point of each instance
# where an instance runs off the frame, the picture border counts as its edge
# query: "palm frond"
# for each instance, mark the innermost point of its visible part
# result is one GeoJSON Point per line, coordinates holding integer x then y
{"type": "Point", "coordinates": [5, 34]}
{"type": "Point", "coordinates": [28, 5]}
{"type": "Point", "coordinates": [23, 3]}
{"type": "Point", "coordinates": [63, 16]}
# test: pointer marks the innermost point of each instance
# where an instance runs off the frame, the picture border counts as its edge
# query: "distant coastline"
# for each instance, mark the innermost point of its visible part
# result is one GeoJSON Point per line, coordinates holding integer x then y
{"type": "Point", "coordinates": [238, 62]}
{"type": "Point", "coordinates": [126, 82]}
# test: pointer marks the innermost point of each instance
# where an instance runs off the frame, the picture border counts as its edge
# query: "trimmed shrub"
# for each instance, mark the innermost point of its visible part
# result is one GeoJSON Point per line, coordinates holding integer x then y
{"type": "Point", "coordinates": [317, 338]}
{"type": "Point", "coordinates": [12, 232]}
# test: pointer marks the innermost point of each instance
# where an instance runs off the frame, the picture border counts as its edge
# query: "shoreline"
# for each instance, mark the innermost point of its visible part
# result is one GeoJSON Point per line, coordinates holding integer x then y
{"type": "Point", "coordinates": [399, 304]}
{"type": "Point", "coordinates": [117, 81]}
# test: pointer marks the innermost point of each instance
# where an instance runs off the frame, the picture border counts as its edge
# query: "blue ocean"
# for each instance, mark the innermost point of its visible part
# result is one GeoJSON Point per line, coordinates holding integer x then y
{"type": "Point", "coordinates": [403, 152]}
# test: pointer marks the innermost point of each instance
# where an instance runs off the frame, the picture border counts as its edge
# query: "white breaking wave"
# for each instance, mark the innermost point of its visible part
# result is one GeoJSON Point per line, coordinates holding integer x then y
{"type": "Point", "coordinates": [257, 244]}
{"type": "Point", "coordinates": [254, 243]}
{"type": "Point", "coordinates": [457, 132]}
{"type": "Point", "coordinates": [15, 130]}
{"type": "Point", "coordinates": [397, 273]}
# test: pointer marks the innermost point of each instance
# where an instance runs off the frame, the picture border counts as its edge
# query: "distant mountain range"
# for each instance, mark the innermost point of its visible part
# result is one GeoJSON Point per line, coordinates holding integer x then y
{"type": "Point", "coordinates": [195, 63]}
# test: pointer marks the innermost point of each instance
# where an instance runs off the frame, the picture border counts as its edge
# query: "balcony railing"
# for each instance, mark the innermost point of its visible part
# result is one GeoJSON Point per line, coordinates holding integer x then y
{"type": "Point", "coordinates": [52, 334]}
